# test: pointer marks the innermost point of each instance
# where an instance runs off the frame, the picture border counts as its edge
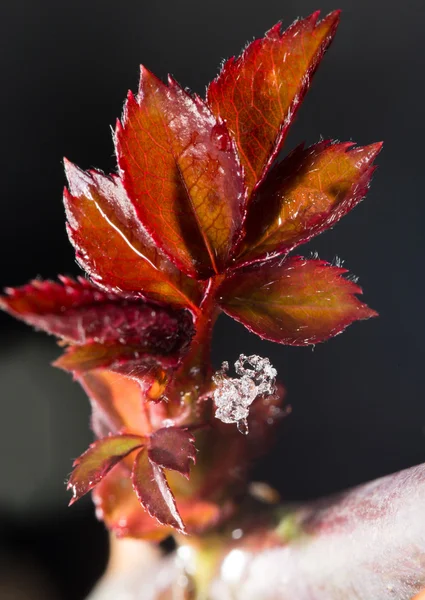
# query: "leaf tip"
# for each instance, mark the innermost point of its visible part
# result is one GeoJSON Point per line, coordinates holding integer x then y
{"type": "Point", "coordinates": [274, 31]}
{"type": "Point", "coordinates": [144, 72]}
{"type": "Point", "coordinates": [313, 18]}
{"type": "Point", "coordinates": [72, 486]}
{"type": "Point", "coordinates": [146, 76]}
{"type": "Point", "coordinates": [375, 148]}
{"type": "Point", "coordinates": [369, 313]}
{"type": "Point", "coordinates": [69, 167]}
{"type": "Point", "coordinates": [78, 180]}
{"type": "Point", "coordinates": [332, 19]}
{"type": "Point", "coordinates": [334, 14]}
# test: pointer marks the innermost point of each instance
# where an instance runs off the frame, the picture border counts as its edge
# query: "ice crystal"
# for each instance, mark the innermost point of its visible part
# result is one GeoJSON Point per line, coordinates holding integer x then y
{"type": "Point", "coordinates": [233, 396]}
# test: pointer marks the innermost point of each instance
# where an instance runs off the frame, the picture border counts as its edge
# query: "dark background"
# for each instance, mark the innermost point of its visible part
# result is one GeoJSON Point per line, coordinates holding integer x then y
{"type": "Point", "coordinates": [358, 409]}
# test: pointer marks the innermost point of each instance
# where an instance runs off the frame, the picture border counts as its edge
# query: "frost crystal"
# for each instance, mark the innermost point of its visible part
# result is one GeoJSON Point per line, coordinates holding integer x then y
{"type": "Point", "coordinates": [233, 397]}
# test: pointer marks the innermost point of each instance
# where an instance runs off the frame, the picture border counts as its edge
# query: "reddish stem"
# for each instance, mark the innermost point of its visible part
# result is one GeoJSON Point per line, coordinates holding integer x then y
{"type": "Point", "coordinates": [199, 356]}
{"type": "Point", "coordinates": [194, 373]}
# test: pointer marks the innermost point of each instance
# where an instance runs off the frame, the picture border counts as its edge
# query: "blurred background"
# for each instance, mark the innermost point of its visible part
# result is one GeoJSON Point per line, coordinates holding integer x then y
{"type": "Point", "coordinates": [358, 408]}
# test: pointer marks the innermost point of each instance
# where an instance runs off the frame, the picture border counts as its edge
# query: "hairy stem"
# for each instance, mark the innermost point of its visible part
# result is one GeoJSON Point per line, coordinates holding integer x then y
{"type": "Point", "coordinates": [193, 377]}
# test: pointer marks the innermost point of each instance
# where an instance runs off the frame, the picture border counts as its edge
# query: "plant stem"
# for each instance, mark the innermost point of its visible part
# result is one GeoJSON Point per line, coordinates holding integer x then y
{"type": "Point", "coordinates": [199, 355]}
{"type": "Point", "coordinates": [193, 377]}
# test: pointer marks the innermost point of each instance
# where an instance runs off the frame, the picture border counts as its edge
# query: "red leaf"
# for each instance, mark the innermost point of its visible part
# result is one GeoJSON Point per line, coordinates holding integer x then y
{"type": "Point", "coordinates": [117, 403]}
{"type": "Point", "coordinates": [44, 297]}
{"type": "Point", "coordinates": [126, 335]}
{"type": "Point", "coordinates": [173, 448]}
{"type": "Point", "coordinates": [306, 194]}
{"type": "Point", "coordinates": [297, 302]}
{"type": "Point", "coordinates": [121, 358]}
{"type": "Point", "coordinates": [80, 313]}
{"type": "Point", "coordinates": [182, 174]}
{"type": "Point", "coordinates": [113, 247]}
{"type": "Point", "coordinates": [98, 460]}
{"type": "Point", "coordinates": [259, 93]}
{"type": "Point", "coordinates": [55, 307]}
{"type": "Point", "coordinates": [153, 491]}
{"type": "Point", "coordinates": [117, 505]}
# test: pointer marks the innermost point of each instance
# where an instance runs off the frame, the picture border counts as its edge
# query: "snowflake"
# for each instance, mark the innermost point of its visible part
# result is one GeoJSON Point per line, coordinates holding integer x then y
{"type": "Point", "coordinates": [234, 396]}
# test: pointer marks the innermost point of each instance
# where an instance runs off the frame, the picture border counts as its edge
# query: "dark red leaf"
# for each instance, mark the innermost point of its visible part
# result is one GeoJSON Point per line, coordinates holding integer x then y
{"type": "Point", "coordinates": [129, 336]}
{"type": "Point", "coordinates": [117, 505]}
{"type": "Point", "coordinates": [259, 93]}
{"type": "Point", "coordinates": [80, 313]}
{"type": "Point", "coordinates": [181, 171]}
{"type": "Point", "coordinates": [45, 297]}
{"type": "Point", "coordinates": [113, 247]}
{"type": "Point", "coordinates": [304, 195]}
{"type": "Point", "coordinates": [98, 460]}
{"type": "Point", "coordinates": [154, 493]}
{"type": "Point", "coordinates": [173, 448]}
{"type": "Point", "coordinates": [296, 302]}
{"type": "Point", "coordinates": [55, 307]}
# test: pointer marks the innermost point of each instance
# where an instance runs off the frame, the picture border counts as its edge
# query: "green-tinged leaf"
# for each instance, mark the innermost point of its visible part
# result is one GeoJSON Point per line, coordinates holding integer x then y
{"type": "Point", "coordinates": [305, 194]}
{"type": "Point", "coordinates": [296, 302]}
{"type": "Point", "coordinates": [98, 460]}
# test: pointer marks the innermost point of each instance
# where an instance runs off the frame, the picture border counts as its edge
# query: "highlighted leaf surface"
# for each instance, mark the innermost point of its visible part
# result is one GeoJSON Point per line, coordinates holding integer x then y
{"type": "Point", "coordinates": [112, 246]}
{"type": "Point", "coordinates": [182, 174]}
{"type": "Point", "coordinates": [117, 402]}
{"type": "Point", "coordinates": [258, 93]}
